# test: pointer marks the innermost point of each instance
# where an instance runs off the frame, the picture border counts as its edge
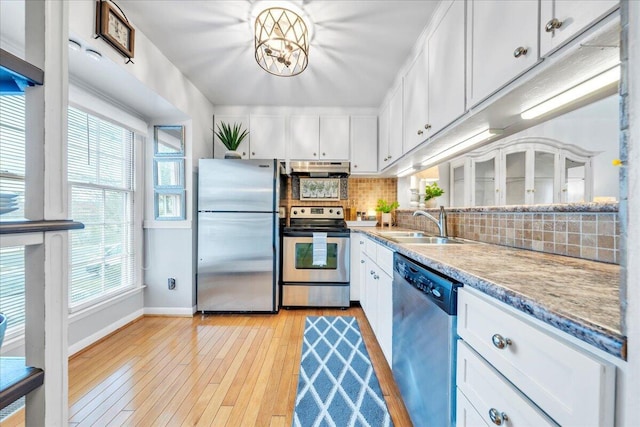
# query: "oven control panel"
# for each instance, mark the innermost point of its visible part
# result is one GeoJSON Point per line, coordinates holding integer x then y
{"type": "Point", "coordinates": [313, 212]}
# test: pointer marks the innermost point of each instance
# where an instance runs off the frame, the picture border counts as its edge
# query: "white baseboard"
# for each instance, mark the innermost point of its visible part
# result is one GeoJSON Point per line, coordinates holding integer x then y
{"type": "Point", "coordinates": [74, 348]}
{"type": "Point", "coordinates": [170, 311]}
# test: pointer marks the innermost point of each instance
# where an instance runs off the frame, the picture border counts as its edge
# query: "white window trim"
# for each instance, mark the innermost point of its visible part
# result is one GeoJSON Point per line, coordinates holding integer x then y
{"type": "Point", "coordinates": [103, 109]}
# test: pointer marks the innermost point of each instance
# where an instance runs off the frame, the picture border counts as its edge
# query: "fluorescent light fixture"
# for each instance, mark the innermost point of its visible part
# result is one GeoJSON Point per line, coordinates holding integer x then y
{"type": "Point", "coordinates": [406, 172]}
{"type": "Point", "coordinates": [583, 89]}
{"type": "Point", "coordinates": [469, 142]}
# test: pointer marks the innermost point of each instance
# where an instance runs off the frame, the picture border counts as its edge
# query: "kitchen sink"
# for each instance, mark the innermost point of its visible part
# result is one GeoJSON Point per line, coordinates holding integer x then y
{"type": "Point", "coordinates": [426, 240]}
{"type": "Point", "coordinates": [401, 234]}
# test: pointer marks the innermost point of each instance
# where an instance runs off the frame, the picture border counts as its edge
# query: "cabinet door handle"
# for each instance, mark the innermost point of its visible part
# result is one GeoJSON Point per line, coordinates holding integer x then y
{"type": "Point", "coordinates": [376, 277]}
{"type": "Point", "coordinates": [497, 417]}
{"type": "Point", "coordinates": [244, 154]}
{"type": "Point", "coordinates": [372, 272]}
{"type": "Point", "coordinates": [361, 261]}
{"type": "Point", "coordinates": [389, 157]}
{"type": "Point", "coordinates": [355, 166]}
{"type": "Point", "coordinates": [427, 126]}
{"type": "Point", "coordinates": [361, 242]}
{"type": "Point", "coordinates": [553, 25]}
{"type": "Point", "coordinates": [500, 342]}
{"type": "Point", "coordinates": [420, 132]}
{"type": "Point", "coordinates": [520, 51]}
{"type": "Point", "coordinates": [324, 154]}
{"type": "Point", "coordinates": [253, 153]}
{"type": "Point", "coordinates": [314, 154]}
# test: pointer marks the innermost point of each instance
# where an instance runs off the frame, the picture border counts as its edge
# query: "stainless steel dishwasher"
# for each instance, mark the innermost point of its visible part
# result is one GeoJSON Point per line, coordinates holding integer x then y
{"type": "Point", "coordinates": [424, 342]}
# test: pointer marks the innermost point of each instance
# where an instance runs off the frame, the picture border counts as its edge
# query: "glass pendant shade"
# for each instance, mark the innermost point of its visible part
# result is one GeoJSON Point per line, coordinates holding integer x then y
{"type": "Point", "coordinates": [282, 42]}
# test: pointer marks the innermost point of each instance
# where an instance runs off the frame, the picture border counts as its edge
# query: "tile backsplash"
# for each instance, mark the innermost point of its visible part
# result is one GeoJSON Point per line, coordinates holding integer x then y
{"type": "Point", "coordinates": [588, 235]}
{"type": "Point", "coordinates": [362, 194]}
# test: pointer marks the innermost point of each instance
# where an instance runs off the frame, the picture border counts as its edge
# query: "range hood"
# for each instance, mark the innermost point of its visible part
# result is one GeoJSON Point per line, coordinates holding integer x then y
{"type": "Point", "coordinates": [320, 169]}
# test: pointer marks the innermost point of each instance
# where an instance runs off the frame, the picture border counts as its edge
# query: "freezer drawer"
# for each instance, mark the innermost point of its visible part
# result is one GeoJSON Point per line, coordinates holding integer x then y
{"type": "Point", "coordinates": [236, 261]}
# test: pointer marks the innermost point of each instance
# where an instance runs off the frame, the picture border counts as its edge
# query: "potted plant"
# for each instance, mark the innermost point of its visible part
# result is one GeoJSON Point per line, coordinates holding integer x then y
{"type": "Point", "coordinates": [385, 208]}
{"type": "Point", "coordinates": [432, 191]}
{"type": "Point", "coordinates": [231, 137]}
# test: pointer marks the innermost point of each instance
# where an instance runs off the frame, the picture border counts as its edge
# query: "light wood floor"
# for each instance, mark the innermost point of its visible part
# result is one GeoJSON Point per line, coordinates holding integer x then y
{"type": "Point", "coordinates": [220, 370]}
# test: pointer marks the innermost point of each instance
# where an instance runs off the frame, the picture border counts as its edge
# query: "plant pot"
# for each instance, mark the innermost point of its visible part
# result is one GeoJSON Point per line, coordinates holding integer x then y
{"type": "Point", "coordinates": [232, 155]}
{"type": "Point", "coordinates": [386, 219]}
{"type": "Point", "coordinates": [431, 203]}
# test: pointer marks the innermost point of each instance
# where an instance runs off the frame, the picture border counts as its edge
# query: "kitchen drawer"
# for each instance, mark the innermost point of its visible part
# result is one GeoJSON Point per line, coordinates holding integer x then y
{"type": "Point", "coordinates": [384, 259]}
{"type": "Point", "coordinates": [573, 387]}
{"type": "Point", "coordinates": [370, 248]}
{"type": "Point", "coordinates": [492, 395]}
{"type": "Point", "coordinates": [466, 414]}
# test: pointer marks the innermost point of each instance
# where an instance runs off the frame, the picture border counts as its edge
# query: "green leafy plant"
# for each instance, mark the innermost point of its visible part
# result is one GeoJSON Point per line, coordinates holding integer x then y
{"type": "Point", "coordinates": [432, 190]}
{"type": "Point", "coordinates": [386, 207]}
{"type": "Point", "coordinates": [231, 137]}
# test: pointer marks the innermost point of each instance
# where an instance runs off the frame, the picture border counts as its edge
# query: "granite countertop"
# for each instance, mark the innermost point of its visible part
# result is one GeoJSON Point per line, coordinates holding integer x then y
{"type": "Point", "coordinates": [577, 296]}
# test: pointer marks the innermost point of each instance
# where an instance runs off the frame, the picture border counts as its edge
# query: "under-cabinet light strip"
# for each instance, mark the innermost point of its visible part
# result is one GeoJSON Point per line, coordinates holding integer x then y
{"type": "Point", "coordinates": [406, 172]}
{"type": "Point", "coordinates": [583, 89]}
{"type": "Point", "coordinates": [451, 151]}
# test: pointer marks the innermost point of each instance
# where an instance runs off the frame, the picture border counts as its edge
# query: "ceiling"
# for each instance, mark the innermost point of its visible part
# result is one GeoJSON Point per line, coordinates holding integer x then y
{"type": "Point", "coordinates": [355, 53]}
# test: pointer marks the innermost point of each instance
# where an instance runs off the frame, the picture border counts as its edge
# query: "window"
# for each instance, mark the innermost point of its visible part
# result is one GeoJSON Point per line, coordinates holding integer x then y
{"type": "Point", "coordinates": [168, 173]}
{"type": "Point", "coordinates": [12, 171]}
{"type": "Point", "coordinates": [100, 170]}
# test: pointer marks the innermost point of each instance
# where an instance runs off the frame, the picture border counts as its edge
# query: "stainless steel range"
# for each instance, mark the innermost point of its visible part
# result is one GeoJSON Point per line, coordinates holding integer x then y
{"type": "Point", "coordinates": [315, 258]}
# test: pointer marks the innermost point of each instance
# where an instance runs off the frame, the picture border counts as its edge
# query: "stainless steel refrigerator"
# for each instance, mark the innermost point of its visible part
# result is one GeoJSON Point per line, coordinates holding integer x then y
{"type": "Point", "coordinates": [238, 242]}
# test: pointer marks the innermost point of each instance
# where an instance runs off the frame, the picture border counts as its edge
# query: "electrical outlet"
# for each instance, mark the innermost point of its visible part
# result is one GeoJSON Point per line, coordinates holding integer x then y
{"type": "Point", "coordinates": [171, 282]}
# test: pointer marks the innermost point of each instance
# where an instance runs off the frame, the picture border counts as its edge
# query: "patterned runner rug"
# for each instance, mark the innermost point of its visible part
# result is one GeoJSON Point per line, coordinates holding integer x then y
{"type": "Point", "coordinates": [337, 385]}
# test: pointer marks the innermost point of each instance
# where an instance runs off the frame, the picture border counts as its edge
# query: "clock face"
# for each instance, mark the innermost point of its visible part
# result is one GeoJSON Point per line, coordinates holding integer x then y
{"type": "Point", "coordinates": [118, 30]}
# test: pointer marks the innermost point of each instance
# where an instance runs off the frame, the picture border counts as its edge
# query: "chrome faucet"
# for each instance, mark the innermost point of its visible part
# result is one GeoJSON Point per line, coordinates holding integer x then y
{"type": "Point", "coordinates": [441, 222]}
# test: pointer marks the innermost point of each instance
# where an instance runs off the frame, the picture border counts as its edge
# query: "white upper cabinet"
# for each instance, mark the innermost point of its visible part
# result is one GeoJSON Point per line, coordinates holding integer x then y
{"type": "Point", "coordinates": [364, 144]}
{"type": "Point", "coordinates": [416, 102]}
{"type": "Point", "coordinates": [319, 138]}
{"type": "Point", "coordinates": [383, 138]}
{"type": "Point", "coordinates": [218, 148]}
{"type": "Point", "coordinates": [267, 137]}
{"type": "Point", "coordinates": [561, 20]}
{"type": "Point", "coordinates": [305, 137]}
{"type": "Point", "coordinates": [334, 138]}
{"type": "Point", "coordinates": [446, 69]}
{"type": "Point", "coordinates": [395, 127]}
{"type": "Point", "coordinates": [503, 41]}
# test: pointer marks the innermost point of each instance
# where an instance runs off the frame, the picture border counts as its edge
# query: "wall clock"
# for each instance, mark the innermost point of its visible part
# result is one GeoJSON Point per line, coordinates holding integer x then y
{"type": "Point", "coordinates": [113, 27]}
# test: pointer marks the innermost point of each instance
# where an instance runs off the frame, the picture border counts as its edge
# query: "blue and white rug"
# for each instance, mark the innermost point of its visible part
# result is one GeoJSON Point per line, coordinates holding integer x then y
{"type": "Point", "coordinates": [337, 385]}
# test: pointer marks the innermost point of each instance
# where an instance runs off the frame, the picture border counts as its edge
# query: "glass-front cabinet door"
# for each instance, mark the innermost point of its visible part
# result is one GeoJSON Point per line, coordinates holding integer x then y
{"type": "Point", "coordinates": [459, 190]}
{"type": "Point", "coordinates": [485, 181]}
{"type": "Point", "coordinates": [576, 180]}
{"type": "Point", "coordinates": [515, 171]}
{"type": "Point", "coordinates": [544, 174]}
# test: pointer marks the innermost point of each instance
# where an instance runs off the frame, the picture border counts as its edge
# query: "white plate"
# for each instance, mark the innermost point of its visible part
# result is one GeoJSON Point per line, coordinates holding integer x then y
{"type": "Point", "coordinates": [7, 210]}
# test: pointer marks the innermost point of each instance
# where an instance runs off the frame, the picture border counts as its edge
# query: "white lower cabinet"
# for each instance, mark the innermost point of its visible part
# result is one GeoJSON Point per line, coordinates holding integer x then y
{"type": "Point", "coordinates": [466, 414]}
{"type": "Point", "coordinates": [496, 401]}
{"type": "Point", "coordinates": [376, 292]}
{"type": "Point", "coordinates": [567, 383]}
{"type": "Point", "coordinates": [356, 270]}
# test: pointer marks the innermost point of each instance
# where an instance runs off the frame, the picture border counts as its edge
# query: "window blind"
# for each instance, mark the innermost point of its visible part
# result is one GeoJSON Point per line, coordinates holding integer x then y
{"type": "Point", "coordinates": [100, 170]}
{"type": "Point", "coordinates": [12, 171]}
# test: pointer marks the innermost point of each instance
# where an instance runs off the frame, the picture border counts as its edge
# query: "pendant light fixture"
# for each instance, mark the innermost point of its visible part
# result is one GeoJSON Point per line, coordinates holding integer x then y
{"type": "Point", "coordinates": [281, 42]}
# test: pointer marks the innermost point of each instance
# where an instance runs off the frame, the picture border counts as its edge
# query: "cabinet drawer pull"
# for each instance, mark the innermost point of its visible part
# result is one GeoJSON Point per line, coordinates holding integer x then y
{"type": "Point", "coordinates": [253, 153]}
{"type": "Point", "coordinates": [372, 272]}
{"type": "Point", "coordinates": [520, 51]}
{"type": "Point", "coordinates": [420, 132]}
{"type": "Point", "coordinates": [497, 417]}
{"type": "Point", "coordinates": [324, 154]}
{"type": "Point", "coordinates": [355, 166]}
{"type": "Point", "coordinates": [553, 25]}
{"type": "Point", "coordinates": [361, 242]}
{"type": "Point", "coordinates": [427, 126]}
{"type": "Point", "coordinates": [375, 276]}
{"type": "Point", "coordinates": [500, 342]}
{"type": "Point", "coordinates": [244, 154]}
{"type": "Point", "coordinates": [314, 154]}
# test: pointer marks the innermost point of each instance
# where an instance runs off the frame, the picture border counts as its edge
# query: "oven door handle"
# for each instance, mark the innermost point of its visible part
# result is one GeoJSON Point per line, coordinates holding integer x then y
{"type": "Point", "coordinates": [310, 234]}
